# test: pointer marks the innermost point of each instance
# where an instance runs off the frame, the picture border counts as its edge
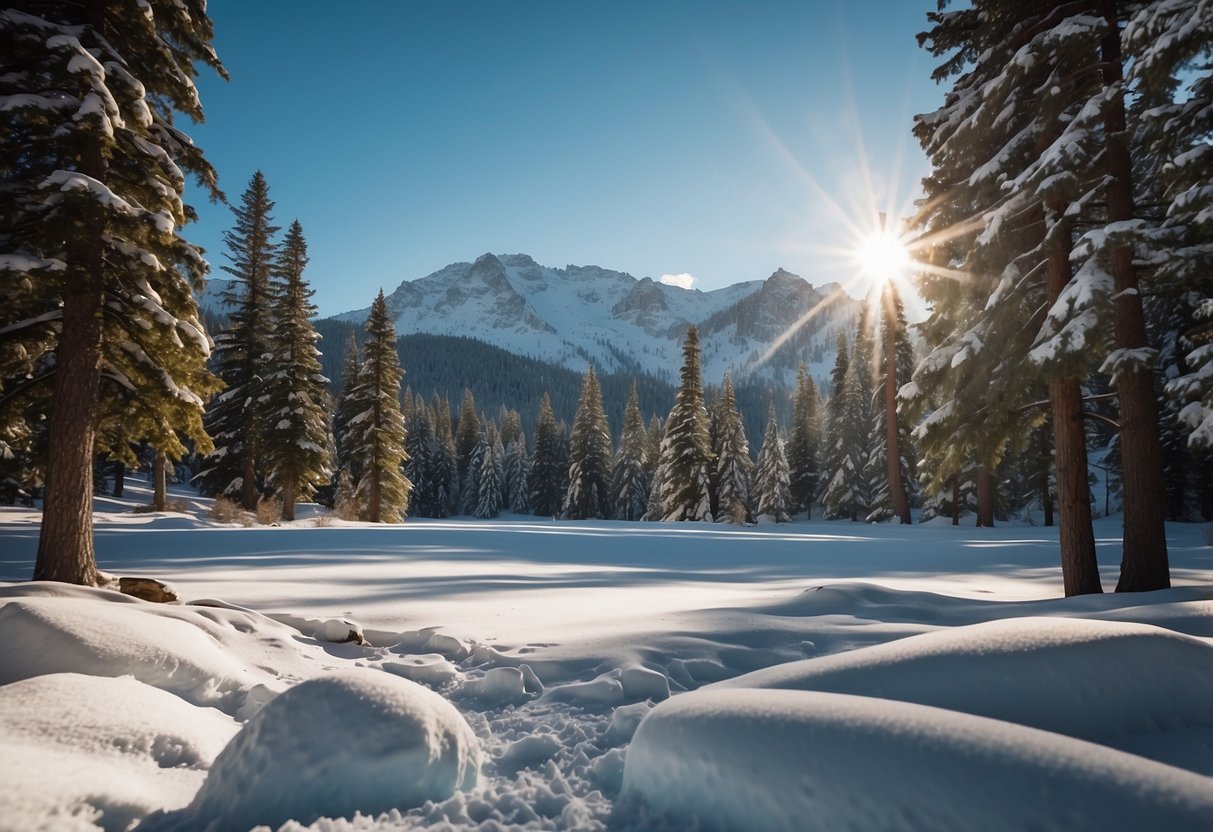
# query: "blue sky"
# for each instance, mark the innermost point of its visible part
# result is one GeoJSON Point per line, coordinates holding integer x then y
{"type": "Point", "coordinates": [720, 140]}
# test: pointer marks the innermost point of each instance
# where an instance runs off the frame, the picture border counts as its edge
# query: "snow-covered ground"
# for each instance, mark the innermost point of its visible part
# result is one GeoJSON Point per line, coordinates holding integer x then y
{"type": "Point", "coordinates": [539, 674]}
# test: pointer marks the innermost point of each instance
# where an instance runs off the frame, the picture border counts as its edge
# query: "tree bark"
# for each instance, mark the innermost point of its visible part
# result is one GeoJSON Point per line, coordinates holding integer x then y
{"type": "Point", "coordinates": [985, 498]}
{"type": "Point", "coordinates": [1144, 563]}
{"type": "Point", "coordinates": [65, 542]}
{"type": "Point", "coordinates": [897, 490]}
{"type": "Point", "coordinates": [160, 481]}
{"type": "Point", "coordinates": [248, 480]}
{"type": "Point", "coordinates": [119, 479]}
{"type": "Point", "coordinates": [1079, 568]}
{"type": "Point", "coordinates": [955, 501]}
{"type": "Point", "coordinates": [288, 491]}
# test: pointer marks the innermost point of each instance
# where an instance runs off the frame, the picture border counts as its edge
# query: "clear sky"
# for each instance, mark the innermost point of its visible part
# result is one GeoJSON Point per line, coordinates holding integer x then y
{"type": "Point", "coordinates": [716, 139]}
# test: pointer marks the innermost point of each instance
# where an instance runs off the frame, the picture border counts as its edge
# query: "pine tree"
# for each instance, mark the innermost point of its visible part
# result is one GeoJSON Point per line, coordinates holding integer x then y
{"type": "Point", "coordinates": [774, 497]}
{"type": "Point", "coordinates": [342, 405]}
{"type": "Point", "coordinates": [96, 280]}
{"type": "Point", "coordinates": [629, 479]}
{"type": "Point", "coordinates": [445, 474]}
{"type": "Point", "coordinates": [467, 434]}
{"type": "Point", "coordinates": [376, 437]}
{"type": "Point", "coordinates": [549, 470]}
{"type": "Point", "coordinates": [489, 479]}
{"type": "Point", "coordinates": [1002, 220]}
{"type": "Point", "coordinates": [683, 470]}
{"type": "Point", "coordinates": [734, 468]}
{"type": "Point", "coordinates": [469, 491]}
{"type": "Point", "coordinates": [804, 443]}
{"type": "Point", "coordinates": [297, 443]}
{"type": "Point", "coordinates": [889, 485]}
{"type": "Point", "coordinates": [518, 477]}
{"type": "Point", "coordinates": [420, 447]}
{"type": "Point", "coordinates": [235, 419]}
{"type": "Point", "coordinates": [589, 491]}
{"type": "Point", "coordinates": [844, 491]}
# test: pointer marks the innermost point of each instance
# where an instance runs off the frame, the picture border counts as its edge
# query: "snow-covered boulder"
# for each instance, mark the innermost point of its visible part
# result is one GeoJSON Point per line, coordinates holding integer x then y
{"type": "Point", "coordinates": [1095, 680]}
{"type": "Point", "coordinates": [357, 741]}
{"type": "Point", "coordinates": [781, 759]}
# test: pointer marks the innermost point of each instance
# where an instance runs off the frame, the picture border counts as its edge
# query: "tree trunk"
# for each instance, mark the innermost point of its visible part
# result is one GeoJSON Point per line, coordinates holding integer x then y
{"type": "Point", "coordinates": [65, 543]}
{"type": "Point", "coordinates": [955, 501]}
{"type": "Point", "coordinates": [160, 480]}
{"type": "Point", "coordinates": [897, 489]}
{"type": "Point", "coordinates": [1144, 564]}
{"type": "Point", "coordinates": [288, 491]}
{"type": "Point", "coordinates": [248, 480]}
{"type": "Point", "coordinates": [1046, 496]}
{"type": "Point", "coordinates": [985, 498]}
{"type": "Point", "coordinates": [1079, 568]}
{"type": "Point", "coordinates": [119, 478]}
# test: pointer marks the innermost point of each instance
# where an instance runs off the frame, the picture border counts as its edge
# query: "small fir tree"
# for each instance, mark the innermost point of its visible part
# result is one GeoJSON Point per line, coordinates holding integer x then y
{"type": "Point", "coordinates": [589, 492]}
{"type": "Point", "coordinates": [734, 467]}
{"type": "Point", "coordinates": [549, 469]}
{"type": "Point", "coordinates": [629, 479]}
{"type": "Point", "coordinates": [774, 496]}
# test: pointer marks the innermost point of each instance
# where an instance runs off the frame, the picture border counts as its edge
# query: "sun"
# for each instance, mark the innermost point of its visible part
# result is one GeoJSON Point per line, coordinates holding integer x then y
{"type": "Point", "coordinates": [882, 257]}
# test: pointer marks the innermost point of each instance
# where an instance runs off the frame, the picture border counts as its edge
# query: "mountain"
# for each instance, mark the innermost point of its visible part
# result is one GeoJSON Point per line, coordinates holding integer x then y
{"type": "Point", "coordinates": [582, 314]}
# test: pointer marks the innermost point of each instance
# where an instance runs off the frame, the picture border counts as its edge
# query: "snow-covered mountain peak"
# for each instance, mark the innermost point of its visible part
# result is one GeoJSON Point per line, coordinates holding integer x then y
{"type": "Point", "coordinates": [578, 315]}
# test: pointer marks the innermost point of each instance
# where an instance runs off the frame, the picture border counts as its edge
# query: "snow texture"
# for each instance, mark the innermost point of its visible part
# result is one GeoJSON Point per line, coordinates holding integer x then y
{"type": "Point", "coordinates": [358, 741]}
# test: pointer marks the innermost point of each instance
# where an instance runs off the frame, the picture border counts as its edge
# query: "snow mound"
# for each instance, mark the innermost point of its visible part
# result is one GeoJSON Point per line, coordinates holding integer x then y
{"type": "Point", "coordinates": [101, 638]}
{"type": "Point", "coordinates": [1094, 680]}
{"type": "Point", "coordinates": [780, 759]}
{"type": "Point", "coordinates": [356, 741]}
{"type": "Point", "coordinates": [117, 749]}
{"type": "Point", "coordinates": [427, 668]}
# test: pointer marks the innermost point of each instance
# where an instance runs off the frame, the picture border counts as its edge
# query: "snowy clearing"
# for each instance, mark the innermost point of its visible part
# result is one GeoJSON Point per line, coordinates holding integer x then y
{"type": "Point", "coordinates": [493, 674]}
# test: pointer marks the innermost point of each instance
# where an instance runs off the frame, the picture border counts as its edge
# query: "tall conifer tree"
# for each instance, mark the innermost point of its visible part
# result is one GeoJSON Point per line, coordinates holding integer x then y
{"type": "Point", "coordinates": [235, 419]}
{"type": "Point", "coordinates": [589, 492]}
{"type": "Point", "coordinates": [376, 437]}
{"type": "Point", "coordinates": [774, 497]}
{"type": "Point", "coordinates": [95, 277]}
{"type": "Point", "coordinates": [734, 468]}
{"type": "Point", "coordinates": [683, 472]}
{"type": "Point", "coordinates": [803, 443]}
{"type": "Point", "coordinates": [629, 479]}
{"type": "Point", "coordinates": [297, 440]}
{"type": "Point", "coordinates": [549, 469]}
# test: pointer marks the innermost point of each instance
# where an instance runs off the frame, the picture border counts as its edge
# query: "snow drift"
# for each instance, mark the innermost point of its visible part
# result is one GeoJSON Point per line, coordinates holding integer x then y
{"type": "Point", "coordinates": [781, 759]}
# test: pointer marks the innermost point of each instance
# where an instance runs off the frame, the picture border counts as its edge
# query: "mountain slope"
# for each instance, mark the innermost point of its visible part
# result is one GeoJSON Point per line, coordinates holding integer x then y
{"type": "Point", "coordinates": [582, 314]}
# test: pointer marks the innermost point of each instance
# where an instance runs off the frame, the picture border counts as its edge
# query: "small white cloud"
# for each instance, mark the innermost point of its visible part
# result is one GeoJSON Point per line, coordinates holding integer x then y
{"type": "Point", "coordinates": [682, 281]}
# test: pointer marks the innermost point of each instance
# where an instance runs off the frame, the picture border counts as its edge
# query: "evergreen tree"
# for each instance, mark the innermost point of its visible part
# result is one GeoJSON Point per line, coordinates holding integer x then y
{"type": "Point", "coordinates": [998, 218]}
{"type": "Point", "coordinates": [686, 455]}
{"type": "Point", "coordinates": [341, 407]}
{"type": "Point", "coordinates": [376, 437]}
{"type": "Point", "coordinates": [518, 477]}
{"type": "Point", "coordinates": [589, 491]}
{"type": "Point", "coordinates": [843, 490]}
{"type": "Point", "coordinates": [445, 472]}
{"type": "Point", "coordinates": [629, 479]}
{"type": "Point", "coordinates": [889, 485]}
{"type": "Point", "coordinates": [734, 467]}
{"type": "Point", "coordinates": [489, 479]}
{"type": "Point", "coordinates": [772, 480]}
{"type": "Point", "coordinates": [297, 442]}
{"type": "Point", "coordinates": [549, 469]}
{"type": "Point", "coordinates": [236, 417]}
{"type": "Point", "coordinates": [95, 278]}
{"type": "Point", "coordinates": [804, 443]}
{"type": "Point", "coordinates": [420, 447]}
{"type": "Point", "coordinates": [467, 434]}
{"type": "Point", "coordinates": [469, 490]}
